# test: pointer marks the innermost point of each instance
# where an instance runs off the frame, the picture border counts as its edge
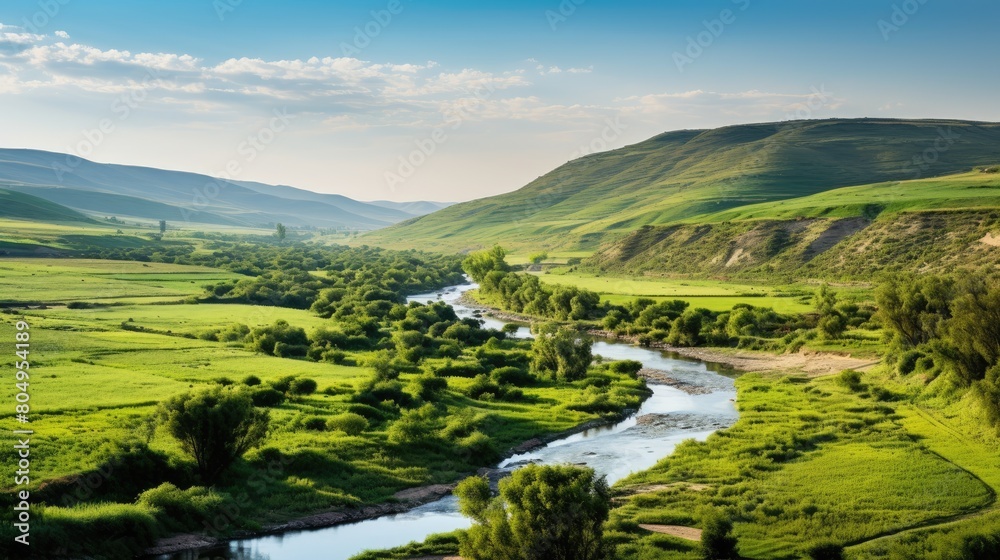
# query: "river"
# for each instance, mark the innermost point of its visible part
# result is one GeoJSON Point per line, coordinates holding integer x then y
{"type": "Point", "coordinates": [665, 419]}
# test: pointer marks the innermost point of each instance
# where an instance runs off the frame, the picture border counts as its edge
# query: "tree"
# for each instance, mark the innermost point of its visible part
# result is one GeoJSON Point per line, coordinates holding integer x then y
{"type": "Point", "coordinates": [832, 322]}
{"type": "Point", "coordinates": [281, 231]}
{"type": "Point", "coordinates": [481, 263]}
{"type": "Point", "coordinates": [913, 310]}
{"type": "Point", "coordinates": [538, 258]}
{"type": "Point", "coordinates": [541, 513]}
{"type": "Point", "coordinates": [717, 541]}
{"type": "Point", "coordinates": [216, 426]}
{"type": "Point", "coordinates": [561, 353]}
{"type": "Point", "coordinates": [163, 227]}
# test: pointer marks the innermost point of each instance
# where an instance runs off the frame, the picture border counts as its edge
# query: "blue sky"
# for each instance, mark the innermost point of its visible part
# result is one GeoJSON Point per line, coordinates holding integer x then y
{"type": "Point", "coordinates": [458, 100]}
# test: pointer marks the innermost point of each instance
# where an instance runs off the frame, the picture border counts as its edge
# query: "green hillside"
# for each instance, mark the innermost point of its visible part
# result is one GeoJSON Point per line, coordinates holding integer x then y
{"type": "Point", "coordinates": [26, 207]}
{"type": "Point", "coordinates": [679, 175]}
{"type": "Point", "coordinates": [928, 225]}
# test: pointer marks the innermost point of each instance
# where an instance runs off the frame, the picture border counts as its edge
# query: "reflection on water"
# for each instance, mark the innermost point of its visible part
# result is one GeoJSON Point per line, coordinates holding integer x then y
{"type": "Point", "coordinates": [667, 418]}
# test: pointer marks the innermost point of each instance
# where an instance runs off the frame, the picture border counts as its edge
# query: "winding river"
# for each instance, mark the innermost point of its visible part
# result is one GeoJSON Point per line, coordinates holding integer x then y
{"type": "Point", "coordinates": [667, 418]}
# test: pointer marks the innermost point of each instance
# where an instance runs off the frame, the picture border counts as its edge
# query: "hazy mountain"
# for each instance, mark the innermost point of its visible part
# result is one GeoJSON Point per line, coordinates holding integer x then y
{"type": "Point", "coordinates": [143, 192]}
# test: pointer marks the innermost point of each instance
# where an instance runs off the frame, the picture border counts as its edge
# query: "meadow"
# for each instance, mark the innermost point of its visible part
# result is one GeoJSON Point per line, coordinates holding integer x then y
{"type": "Point", "coordinates": [715, 295]}
{"type": "Point", "coordinates": [111, 340]}
{"type": "Point", "coordinates": [809, 461]}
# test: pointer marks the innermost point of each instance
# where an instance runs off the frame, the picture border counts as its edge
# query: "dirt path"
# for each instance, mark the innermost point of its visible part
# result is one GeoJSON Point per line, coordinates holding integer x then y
{"type": "Point", "coordinates": [679, 531]}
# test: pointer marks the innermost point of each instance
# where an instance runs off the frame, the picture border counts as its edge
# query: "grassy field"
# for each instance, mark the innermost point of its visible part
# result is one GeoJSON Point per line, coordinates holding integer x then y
{"type": "Point", "coordinates": [808, 461]}
{"type": "Point", "coordinates": [709, 294]}
{"type": "Point", "coordinates": [954, 192]}
{"type": "Point", "coordinates": [99, 372]}
{"type": "Point", "coordinates": [53, 281]}
{"type": "Point", "coordinates": [683, 174]}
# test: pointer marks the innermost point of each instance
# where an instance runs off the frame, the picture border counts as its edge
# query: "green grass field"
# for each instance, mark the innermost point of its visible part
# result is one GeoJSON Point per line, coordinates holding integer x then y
{"type": "Point", "coordinates": [807, 462]}
{"type": "Point", "coordinates": [62, 280]}
{"type": "Point", "coordinates": [98, 374]}
{"type": "Point", "coordinates": [709, 294]}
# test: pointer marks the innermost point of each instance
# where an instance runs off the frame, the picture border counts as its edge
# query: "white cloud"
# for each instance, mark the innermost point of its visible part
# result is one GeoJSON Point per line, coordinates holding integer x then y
{"type": "Point", "coordinates": [62, 34]}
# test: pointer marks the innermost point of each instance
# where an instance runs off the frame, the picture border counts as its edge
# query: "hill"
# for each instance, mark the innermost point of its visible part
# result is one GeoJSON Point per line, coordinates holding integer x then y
{"type": "Point", "coordinates": [927, 225]}
{"type": "Point", "coordinates": [27, 207]}
{"type": "Point", "coordinates": [143, 192]}
{"type": "Point", "coordinates": [680, 175]}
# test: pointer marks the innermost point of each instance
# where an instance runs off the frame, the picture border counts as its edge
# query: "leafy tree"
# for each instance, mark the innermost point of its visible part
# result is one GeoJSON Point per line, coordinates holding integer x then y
{"type": "Point", "coordinates": [542, 513]}
{"type": "Point", "coordinates": [561, 353]}
{"type": "Point", "coordinates": [686, 329]}
{"type": "Point", "coordinates": [913, 309]}
{"type": "Point", "coordinates": [832, 322]}
{"type": "Point", "coordinates": [281, 231]}
{"type": "Point", "coordinates": [973, 332]}
{"type": "Point", "coordinates": [717, 541]}
{"type": "Point", "coordinates": [481, 263]}
{"type": "Point", "coordinates": [216, 426]}
{"type": "Point", "coordinates": [538, 258]}
{"type": "Point", "coordinates": [163, 227]}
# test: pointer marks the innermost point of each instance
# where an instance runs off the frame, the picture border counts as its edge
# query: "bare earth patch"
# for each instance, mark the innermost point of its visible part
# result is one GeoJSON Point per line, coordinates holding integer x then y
{"type": "Point", "coordinates": [812, 363]}
{"type": "Point", "coordinates": [990, 239]}
{"type": "Point", "coordinates": [687, 533]}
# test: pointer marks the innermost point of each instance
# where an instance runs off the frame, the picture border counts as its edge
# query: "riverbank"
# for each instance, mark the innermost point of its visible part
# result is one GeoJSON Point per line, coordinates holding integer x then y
{"type": "Point", "coordinates": [405, 501]}
{"type": "Point", "coordinates": [813, 364]}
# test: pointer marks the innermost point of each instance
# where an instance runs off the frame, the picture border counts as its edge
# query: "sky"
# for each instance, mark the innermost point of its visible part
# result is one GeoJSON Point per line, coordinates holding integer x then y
{"type": "Point", "coordinates": [450, 101]}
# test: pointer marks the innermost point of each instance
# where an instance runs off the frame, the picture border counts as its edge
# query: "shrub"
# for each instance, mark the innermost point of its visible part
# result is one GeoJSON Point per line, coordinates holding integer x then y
{"type": "Point", "coordinates": [350, 423]}
{"type": "Point", "coordinates": [483, 385]}
{"type": "Point", "coordinates": [851, 379]}
{"type": "Point", "coordinates": [825, 551]}
{"type": "Point", "coordinates": [251, 381]}
{"type": "Point", "coordinates": [625, 367]}
{"type": "Point", "coordinates": [717, 541]}
{"type": "Point", "coordinates": [315, 423]}
{"type": "Point", "coordinates": [908, 362]}
{"type": "Point", "coordinates": [513, 376]}
{"type": "Point", "coordinates": [267, 397]}
{"type": "Point", "coordinates": [302, 386]}
{"type": "Point", "coordinates": [429, 387]}
{"type": "Point", "coordinates": [182, 509]}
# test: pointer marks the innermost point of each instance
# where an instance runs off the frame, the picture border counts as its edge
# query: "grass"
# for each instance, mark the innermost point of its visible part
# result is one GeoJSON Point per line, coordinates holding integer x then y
{"type": "Point", "coordinates": [714, 295]}
{"type": "Point", "coordinates": [954, 192]}
{"type": "Point", "coordinates": [63, 280]}
{"type": "Point", "coordinates": [95, 383]}
{"type": "Point", "coordinates": [680, 175]}
{"type": "Point", "coordinates": [808, 461]}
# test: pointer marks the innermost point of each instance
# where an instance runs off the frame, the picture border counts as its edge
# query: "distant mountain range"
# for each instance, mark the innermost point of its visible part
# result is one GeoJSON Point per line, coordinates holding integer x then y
{"type": "Point", "coordinates": [680, 177]}
{"type": "Point", "coordinates": [99, 190]}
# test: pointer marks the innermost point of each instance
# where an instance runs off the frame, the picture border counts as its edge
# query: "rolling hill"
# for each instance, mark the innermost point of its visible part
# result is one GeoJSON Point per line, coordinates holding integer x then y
{"type": "Point", "coordinates": [24, 206]}
{"type": "Point", "coordinates": [679, 176]}
{"type": "Point", "coordinates": [141, 192]}
{"type": "Point", "coordinates": [926, 225]}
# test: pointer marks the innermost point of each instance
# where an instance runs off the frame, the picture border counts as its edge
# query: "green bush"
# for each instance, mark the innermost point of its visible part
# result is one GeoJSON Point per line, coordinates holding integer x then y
{"type": "Point", "coordinates": [510, 375]}
{"type": "Point", "coordinates": [625, 367]}
{"type": "Point", "coordinates": [315, 423]}
{"type": "Point", "coordinates": [350, 423]}
{"type": "Point", "coordinates": [267, 397]}
{"type": "Point", "coordinates": [302, 386]}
